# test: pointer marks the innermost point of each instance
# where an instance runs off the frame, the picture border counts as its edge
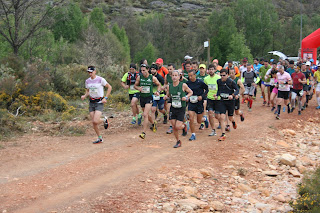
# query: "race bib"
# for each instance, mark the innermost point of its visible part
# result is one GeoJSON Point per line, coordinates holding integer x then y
{"type": "Point", "coordinates": [145, 89]}
{"type": "Point", "coordinates": [282, 86]}
{"type": "Point", "coordinates": [212, 87]}
{"type": "Point", "coordinates": [224, 95]}
{"type": "Point", "coordinates": [194, 99]}
{"type": "Point", "coordinates": [156, 97]}
{"type": "Point", "coordinates": [132, 87]}
{"type": "Point", "coordinates": [176, 103]}
{"type": "Point", "coordinates": [272, 82]}
{"type": "Point", "coordinates": [301, 92]}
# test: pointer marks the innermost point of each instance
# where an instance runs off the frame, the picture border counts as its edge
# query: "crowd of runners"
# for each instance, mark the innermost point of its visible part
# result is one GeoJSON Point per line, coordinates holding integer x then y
{"type": "Point", "coordinates": [196, 96]}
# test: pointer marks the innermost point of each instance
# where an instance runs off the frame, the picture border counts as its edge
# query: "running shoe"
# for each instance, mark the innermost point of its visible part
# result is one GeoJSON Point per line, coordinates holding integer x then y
{"type": "Point", "coordinates": [185, 130]}
{"type": "Point", "coordinates": [106, 123]}
{"type": "Point", "coordinates": [318, 107]}
{"type": "Point", "coordinates": [142, 135]}
{"type": "Point", "coordinates": [278, 117]}
{"type": "Point", "coordinates": [154, 129]}
{"type": "Point", "coordinates": [264, 103]}
{"type": "Point", "coordinates": [254, 97]}
{"type": "Point", "coordinates": [178, 144]}
{"type": "Point", "coordinates": [242, 101]}
{"type": "Point", "coordinates": [99, 140]}
{"type": "Point", "coordinates": [213, 133]}
{"type": "Point", "coordinates": [219, 127]}
{"type": "Point", "coordinates": [192, 138]}
{"type": "Point", "coordinates": [201, 126]}
{"type": "Point", "coordinates": [165, 119]}
{"type": "Point", "coordinates": [228, 128]}
{"type": "Point", "coordinates": [303, 108]}
{"type": "Point", "coordinates": [222, 138]}
{"type": "Point", "coordinates": [292, 109]}
{"type": "Point", "coordinates": [249, 109]}
{"type": "Point", "coordinates": [234, 125]}
{"type": "Point", "coordinates": [170, 130]}
{"type": "Point", "coordinates": [272, 109]}
{"type": "Point", "coordinates": [139, 119]}
{"type": "Point", "coordinates": [299, 112]}
{"type": "Point", "coordinates": [133, 120]}
{"type": "Point", "coordinates": [206, 122]}
{"type": "Point", "coordinates": [242, 117]}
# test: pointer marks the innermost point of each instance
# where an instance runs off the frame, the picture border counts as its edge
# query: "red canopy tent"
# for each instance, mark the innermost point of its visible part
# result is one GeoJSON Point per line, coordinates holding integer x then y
{"type": "Point", "coordinates": [310, 44]}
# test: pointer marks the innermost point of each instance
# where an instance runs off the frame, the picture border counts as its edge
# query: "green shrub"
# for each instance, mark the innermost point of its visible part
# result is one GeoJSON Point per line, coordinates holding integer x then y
{"type": "Point", "coordinates": [309, 194]}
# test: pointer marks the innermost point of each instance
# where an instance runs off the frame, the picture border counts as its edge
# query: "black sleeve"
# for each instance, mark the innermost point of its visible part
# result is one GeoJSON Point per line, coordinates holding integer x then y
{"type": "Point", "coordinates": [219, 89]}
{"type": "Point", "coordinates": [205, 88]}
{"type": "Point", "coordinates": [160, 79]}
{"type": "Point", "coordinates": [235, 87]}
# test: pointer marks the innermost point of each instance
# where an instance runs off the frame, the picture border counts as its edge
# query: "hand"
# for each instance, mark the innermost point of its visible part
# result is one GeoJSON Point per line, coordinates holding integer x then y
{"type": "Point", "coordinates": [126, 87]}
{"type": "Point", "coordinates": [299, 80]}
{"type": "Point", "coordinates": [215, 96]}
{"type": "Point", "coordinates": [156, 93]}
{"type": "Point", "coordinates": [165, 97]}
{"type": "Point", "coordinates": [140, 89]}
{"type": "Point", "coordinates": [230, 97]}
{"type": "Point", "coordinates": [83, 97]}
{"type": "Point", "coordinates": [237, 96]}
{"type": "Point", "coordinates": [253, 84]}
{"type": "Point", "coordinates": [104, 100]}
{"type": "Point", "coordinates": [199, 98]}
{"type": "Point", "coordinates": [184, 99]}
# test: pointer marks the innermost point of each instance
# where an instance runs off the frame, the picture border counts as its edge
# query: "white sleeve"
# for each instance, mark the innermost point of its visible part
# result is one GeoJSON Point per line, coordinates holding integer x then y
{"type": "Point", "coordinates": [104, 82]}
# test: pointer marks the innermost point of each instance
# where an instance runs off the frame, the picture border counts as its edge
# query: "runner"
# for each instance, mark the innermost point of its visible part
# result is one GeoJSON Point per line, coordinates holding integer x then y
{"type": "Point", "coordinates": [161, 69]}
{"type": "Point", "coordinates": [188, 66]}
{"type": "Point", "coordinates": [144, 83]}
{"type": "Point", "coordinates": [127, 82]}
{"type": "Point", "coordinates": [249, 79]}
{"type": "Point", "coordinates": [211, 81]}
{"type": "Point", "coordinates": [177, 92]}
{"type": "Point", "coordinates": [306, 86]}
{"type": "Point", "coordinates": [284, 82]}
{"type": "Point", "coordinates": [195, 106]}
{"type": "Point", "coordinates": [264, 82]}
{"type": "Point", "coordinates": [158, 101]}
{"type": "Point", "coordinates": [298, 79]}
{"type": "Point", "coordinates": [256, 68]}
{"type": "Point", "coordinates": [167, 81]}
{"type": "Point", "coordinates": [227, 91]}
{"type": "Point", "coordinates": [236, 69]}
{"type": "Point", "coordinates": [274, 90]}
{"type": "Point", "coordinates": [317, 84]}
{"type": "Point", "coordinates": [232, 75]}
{"type": "Point", "coordinates": [94, 89]}
{"type": "Point", "coordinates": [195, 66]}
{"type": "Point", "coordinates": [201, 76]}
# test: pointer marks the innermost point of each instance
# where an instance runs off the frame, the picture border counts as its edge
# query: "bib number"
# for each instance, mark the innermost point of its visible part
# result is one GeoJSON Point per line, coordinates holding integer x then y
{"type": "Point", "coordinates": [176, 103]}
{"type": "Point", "coordinates": [212, 87]}
{"type": "Point", "coordinates": [194, 99]}
{"type": "Point", "coordinates": [301, 92]}
{"type": "Point", "coordinates": [93, 91]}
{"type": "Point", "coordinates": [132, 87]}
{"type": "Point", "coordinates": [145, 89]}
{"type": "Point", "coordinates": [224, 95]}
{"type": "Point", "coordinates": [282, 86]}
{"type": "Point", "coordinates": [156, 97]}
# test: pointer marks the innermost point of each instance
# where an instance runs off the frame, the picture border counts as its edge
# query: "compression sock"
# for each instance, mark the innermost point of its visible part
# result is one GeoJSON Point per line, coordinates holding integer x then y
{"type": "Point", "coordinates": [250, 103]}
{"type": "Point", "coordinates": [307, 101]}
{"type": "Point", "coordinates": [279, 109]}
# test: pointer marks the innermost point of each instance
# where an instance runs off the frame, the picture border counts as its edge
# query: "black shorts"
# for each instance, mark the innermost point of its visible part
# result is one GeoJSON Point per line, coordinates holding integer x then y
{"type": "Point", "coordinates": [237, 104]}
{"type": "Point", "coordinates": [211, 105]}
{"type": "Point", "coordinates": [306, 87]}
{"type": "Point", "coordinates": [283, 94]}
{"type": "Point", "coordinates": [196, 107]}
{"type": "Point", "coordinates": [271, 88]}
{"type": "Point", "coordinates": [146, 100]}
{"type": "Point", "coordinates": [225, 105]}
{"type": "Point", "coordinates": [135, 95]}
{"type": "Point", "coordinates": [259, 83]}
{"type": "Point", "coordinates": [177, 113]}
{"type": "Point", "coordinates": [297, 91]}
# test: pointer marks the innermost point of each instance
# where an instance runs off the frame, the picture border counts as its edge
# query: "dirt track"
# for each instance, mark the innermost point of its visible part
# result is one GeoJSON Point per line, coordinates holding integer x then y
{"type": "Point", "coordinates": [70, 174]}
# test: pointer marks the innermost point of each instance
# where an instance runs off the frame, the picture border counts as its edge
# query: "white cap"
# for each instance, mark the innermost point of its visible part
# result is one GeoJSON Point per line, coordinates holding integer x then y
{"type": "Point", "coordinates": [308, 63]}
{"type": "Point", "coordinates": [187, 57]}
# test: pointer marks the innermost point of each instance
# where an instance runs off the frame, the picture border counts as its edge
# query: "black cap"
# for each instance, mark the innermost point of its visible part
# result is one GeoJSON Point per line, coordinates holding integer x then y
{"type": "Point", "coordinates": [291, 62]}
{"type": "Point", "coordinates": [91, 69]}
{"type": "Point", "coordinates": [133, 66]}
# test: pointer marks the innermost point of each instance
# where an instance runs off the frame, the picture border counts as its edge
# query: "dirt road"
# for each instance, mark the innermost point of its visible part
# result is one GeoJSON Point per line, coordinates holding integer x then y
{"type": "Point", "coordinates": [69, 174]}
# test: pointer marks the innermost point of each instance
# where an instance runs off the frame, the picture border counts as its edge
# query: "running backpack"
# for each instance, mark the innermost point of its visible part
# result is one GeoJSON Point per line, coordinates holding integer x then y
{"type": "Point", "coordinates": [131, 78]}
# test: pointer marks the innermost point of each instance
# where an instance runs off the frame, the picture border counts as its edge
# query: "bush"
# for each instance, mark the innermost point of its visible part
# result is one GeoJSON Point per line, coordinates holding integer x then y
{"type": "Point", "coordinates": [309, 191]}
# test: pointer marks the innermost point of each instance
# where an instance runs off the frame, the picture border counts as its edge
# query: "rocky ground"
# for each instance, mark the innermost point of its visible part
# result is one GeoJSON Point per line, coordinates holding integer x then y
{"type": "Point", "coordinates": [255, 170]}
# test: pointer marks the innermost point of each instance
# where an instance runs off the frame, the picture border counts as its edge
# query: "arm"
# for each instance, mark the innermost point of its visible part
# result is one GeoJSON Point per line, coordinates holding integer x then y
{"type": "Point", "coordinates": [109, 88]}
{"type": "Point", "coordinates": [137, 83]}
{"type": "Point", "coordinates": [125, 86]}
{"type": "Point", "coordinates": [242, 89]}
{"type": "Point", "coordinates": [187, 90]}
{"type": "Point", "coordinates": [85, 95]}
{"type": "Point", "coordinates": [235, 87]}
{"type": "Point", "coordinates": [123, 81]}
{"type": "Point", "coordinates": [205, 92]}
{"type": "Point", "coordinates": [157, 83]}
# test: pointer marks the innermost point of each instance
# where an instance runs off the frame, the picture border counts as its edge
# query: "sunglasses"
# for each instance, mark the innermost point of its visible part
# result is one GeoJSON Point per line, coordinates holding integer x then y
{"type": "Point", "coordinates": [143, 65]}
{"type": "Point", "coordinates": [223, 75]}
{"type": "Point", "coordinates": [90, 71]}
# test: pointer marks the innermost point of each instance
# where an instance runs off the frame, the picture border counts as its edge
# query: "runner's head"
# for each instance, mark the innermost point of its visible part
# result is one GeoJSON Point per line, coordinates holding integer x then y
{"type": "Point", "coordinates": [145, 70]}
{"type": "Point", "coordinates": [175, 75]}
{"type": "Point", "coordinates": [224, 74]}
{"type": "Point", "coordinates": [244, 62]}
{"type": "Point", "coordinates": [303, 67]}
{"type": "Point", "coordinates": [281, 69]}
{"type": "Point", "coordinates": [188, 65]}
{"type": "Point", "coordinates": [230, 64]}
{"type": "Point", "coordinates": [192, 75]}
{"type": "Point", "coordinates": [256, 61]}
{"type": "Point", "coordinates": [291, 64]}
{"type": "Point", "coordinates": [266, 63]}
{"type": "Point", "coordinates": [195, 65]}
{"type": "Point", "coordinates": [274, 64]}
{"type": "Point", "coordinates": [212, 69]}
{"type": "Point", "coordinates": [159, 62]}
{"type": "Point", "coordinates": [171, 67]}
{"type": "Point", "coordinates": [297, 69]}
{"type": "Point", "coordinates": [273, 73]}
{"type": "Point", "coordinates": [133, 68]}
{"type": "Point", "coordinates": [153, 69]}
{"type": "Point", "coordinates": [92, 71]}
{"type": "Point", "coordinates": [202, 68]}
{"type": "Point", "coordinates": [249, 68]}
{"type": "Point", "coordinates": [232, 73]}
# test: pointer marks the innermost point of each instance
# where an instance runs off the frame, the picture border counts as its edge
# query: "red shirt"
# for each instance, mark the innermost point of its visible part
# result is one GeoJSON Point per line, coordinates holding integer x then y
{"type": "Point", "coordinates": [295, 80]}
{"type": "Point", "coordinates": [163, 71]}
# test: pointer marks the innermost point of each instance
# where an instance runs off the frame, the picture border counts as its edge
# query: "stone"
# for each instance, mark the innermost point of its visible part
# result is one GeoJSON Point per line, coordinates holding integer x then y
{"type": "Point", "coordinates": [262, 206]}
{"type": "Point", "coordinates": [244, 187]}
{"type": "Point", "coordinates": [291, 132]}
{"type": "Point", "coordinates": [301, 169]}
{"type": "Point", "coordinates": [191, 202]}
{"type": "Point", "coordinates": [167, 207]}
{"type": "Point", "coordinates": [265, 192]}
{"type": "Point", "coordinates": [190, 190]}
{"type": "Point", "coordinates": [217, 205]}
{"type": "Point", "coordinates": [252, 200]}
{"type": "Point", "coordinates": [295, 173]}
{"type": "Point", "coordinates": [205, 173]}
{"type": "Point", "coordinates": [287, 159]}
{"type": "Point", "coordinates": [280, 198]}
{"type": "Point", "coordinates": [238, 194]}
{"type": "Point", "coordinates": [283, 144]}
{"type": "Point", "coordinates": [271, 173]}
